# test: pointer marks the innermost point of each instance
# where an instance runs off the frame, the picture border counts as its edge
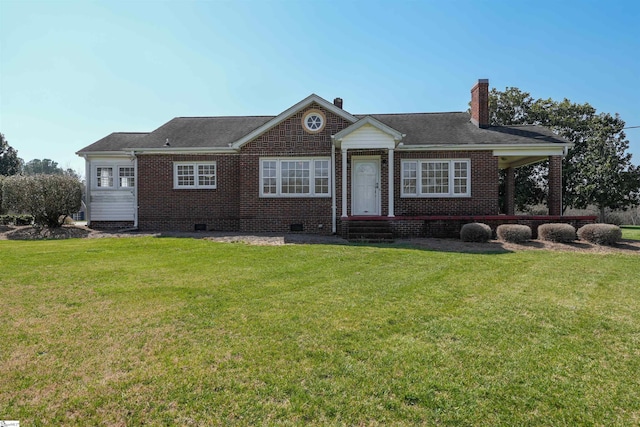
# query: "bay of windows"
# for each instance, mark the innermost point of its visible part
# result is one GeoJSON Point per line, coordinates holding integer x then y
{"type": "Point", "coordinates": [436, 178]}
{"type": "Point", "coordinates": [287, 177]}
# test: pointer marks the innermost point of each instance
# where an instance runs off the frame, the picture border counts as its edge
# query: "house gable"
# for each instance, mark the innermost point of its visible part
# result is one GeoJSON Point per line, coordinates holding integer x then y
{"type": "Point", "coordinates": [368, 133]}
{"type": "Point", "coordinates": [294, 110]}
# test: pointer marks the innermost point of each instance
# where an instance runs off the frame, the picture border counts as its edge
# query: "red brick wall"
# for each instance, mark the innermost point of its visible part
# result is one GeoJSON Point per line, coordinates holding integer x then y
{"type": "Point", "coordinates": [484, 186]}
{"type": "Point", "coordinates": [161, 207]}
{"type": "Point", "coordinates": [236, 205]}
{"type": "Point", "coordinates": [288, 139]}
{"type": "Point", "coordinates": [554, 198]}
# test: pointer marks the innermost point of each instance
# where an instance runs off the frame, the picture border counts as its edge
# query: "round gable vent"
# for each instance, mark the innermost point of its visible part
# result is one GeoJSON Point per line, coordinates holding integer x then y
{"type": "Point", "coordinates": [313, 121]}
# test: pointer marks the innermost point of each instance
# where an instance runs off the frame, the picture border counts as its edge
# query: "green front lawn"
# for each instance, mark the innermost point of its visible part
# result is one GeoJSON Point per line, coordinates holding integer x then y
{"type": "Point", "coordinates": [631, 232]}
{"type": "Point", "coordinates": [165, 331]}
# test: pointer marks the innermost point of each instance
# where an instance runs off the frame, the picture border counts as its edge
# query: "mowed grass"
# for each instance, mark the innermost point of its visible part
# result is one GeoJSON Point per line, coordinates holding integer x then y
{"type": "Point", "coordinates": [631, 232]}
{"type": "Point", "coordinates": [163, 331]}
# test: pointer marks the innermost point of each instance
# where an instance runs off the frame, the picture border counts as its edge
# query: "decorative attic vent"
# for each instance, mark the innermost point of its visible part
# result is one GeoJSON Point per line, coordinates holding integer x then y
{"type": "Point", "coordinates": [296, 227]}
{"type": "Point", "coordinates": [200, 227]}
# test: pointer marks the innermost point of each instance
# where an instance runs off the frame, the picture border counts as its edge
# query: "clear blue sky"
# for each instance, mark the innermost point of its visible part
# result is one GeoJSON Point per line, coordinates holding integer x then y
{"type": "Point", "coordinates": [71, 72]}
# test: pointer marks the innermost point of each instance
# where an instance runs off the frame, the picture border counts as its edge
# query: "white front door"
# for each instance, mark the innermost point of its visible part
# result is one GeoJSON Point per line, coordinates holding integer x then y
{"type": "Point", "coordinates": [365, 187]}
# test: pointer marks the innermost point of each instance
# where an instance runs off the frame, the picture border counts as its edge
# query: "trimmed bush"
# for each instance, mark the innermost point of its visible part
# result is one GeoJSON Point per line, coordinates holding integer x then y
{"type": "Point", "coordinates": [557, 232]}
{"type": "Point", "coordinates": [47, 198]}
{"type": "Point", "coordinates": [600, 234]}
{"type": "Point", "coordinates": [514, 233]}
{"type": "Point", "coordinates": [475, 232]}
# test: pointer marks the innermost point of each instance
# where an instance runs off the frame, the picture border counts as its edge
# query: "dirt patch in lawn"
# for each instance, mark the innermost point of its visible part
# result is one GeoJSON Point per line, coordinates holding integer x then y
{"type": "Point", "coordinates": [273, 239]}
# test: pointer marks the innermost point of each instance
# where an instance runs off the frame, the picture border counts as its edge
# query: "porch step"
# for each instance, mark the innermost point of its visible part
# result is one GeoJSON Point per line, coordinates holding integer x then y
{"type": "Point", "coordinates": [369, 231]}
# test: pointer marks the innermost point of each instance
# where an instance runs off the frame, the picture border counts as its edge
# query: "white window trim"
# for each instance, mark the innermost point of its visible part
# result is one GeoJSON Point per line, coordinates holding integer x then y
{"type": "Point", "coordinates": [195, 185]}
{"type": "Point", "coordinates": [116, 177]}
{"type": "Point", "coordinates": [312, 177]}
{"type": "Point", "coordinates": [420, 194]}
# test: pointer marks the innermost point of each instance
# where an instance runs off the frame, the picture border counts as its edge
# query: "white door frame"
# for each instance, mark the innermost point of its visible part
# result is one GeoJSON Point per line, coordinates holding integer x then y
{"type": "Point", "coordinates": [354, 161]}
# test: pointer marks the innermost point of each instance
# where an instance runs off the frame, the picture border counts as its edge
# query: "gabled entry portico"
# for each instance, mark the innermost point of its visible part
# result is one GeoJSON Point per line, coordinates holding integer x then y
{"type": "Point", "coordinates": [365, 188]}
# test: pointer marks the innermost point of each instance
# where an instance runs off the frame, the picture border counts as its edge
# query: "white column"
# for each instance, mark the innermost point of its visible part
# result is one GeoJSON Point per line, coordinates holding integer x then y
{"type": "Point", "coordinates": [344, 183]}
{"type": "Point", "coordinates": [391, 195]}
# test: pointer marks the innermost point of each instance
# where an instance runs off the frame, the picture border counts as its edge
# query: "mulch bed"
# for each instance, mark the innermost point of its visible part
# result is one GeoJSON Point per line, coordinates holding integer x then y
{"type": "Point", "coordinates": [445, 245]}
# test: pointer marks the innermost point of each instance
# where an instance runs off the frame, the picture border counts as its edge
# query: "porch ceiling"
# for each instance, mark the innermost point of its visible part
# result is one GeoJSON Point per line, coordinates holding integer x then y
{"type": "Point", "coordinates": [505, 162]}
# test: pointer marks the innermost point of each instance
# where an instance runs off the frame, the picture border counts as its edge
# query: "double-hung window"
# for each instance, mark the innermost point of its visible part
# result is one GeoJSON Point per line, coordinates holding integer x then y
{"type": "Point", "coordinates": [104, 177]}
{"type": "Point", "coordinates": [293, 177]}
{"type": "Point", "coordinates": [114, 177]}
{"type": "Point", "coordinates": [436, 178]}
{"type": "Point", "coordinates": [194, 175]}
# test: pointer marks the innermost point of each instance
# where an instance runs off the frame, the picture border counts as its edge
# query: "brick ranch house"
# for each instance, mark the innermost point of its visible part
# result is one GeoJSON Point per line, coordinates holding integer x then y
{"type": "Point", "coordinates": [316, 168]}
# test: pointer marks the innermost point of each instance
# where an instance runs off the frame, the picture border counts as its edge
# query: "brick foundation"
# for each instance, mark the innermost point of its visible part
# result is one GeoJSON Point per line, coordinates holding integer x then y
{"type": "Point", "coordinates": [110, 225]}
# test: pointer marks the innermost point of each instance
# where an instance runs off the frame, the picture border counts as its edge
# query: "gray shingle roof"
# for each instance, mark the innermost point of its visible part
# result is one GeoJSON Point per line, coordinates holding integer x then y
{"type": "Point", "coordinates": [457, 129]}
{"type": "Point", "coordinates": [114, 142]}
{"type": "Point", "coordinates": [202, 132]}
{"type": "Point", "coordinates": [419, 128]}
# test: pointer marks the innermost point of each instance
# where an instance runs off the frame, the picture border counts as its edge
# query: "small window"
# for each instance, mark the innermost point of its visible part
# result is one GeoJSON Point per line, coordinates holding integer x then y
{"type": "Point", "coordinates": [127, 176]}
{"type": "Point", "coordinates": [313, 121]}
{"type": "Point", "coordinates": [104, 177]}
{"type": "Point", "coordinates": [194, 175]}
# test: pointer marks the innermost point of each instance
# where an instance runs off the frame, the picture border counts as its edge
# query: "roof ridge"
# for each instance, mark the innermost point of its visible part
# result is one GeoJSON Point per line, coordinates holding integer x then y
{"type": "Point", "coordinates": [130, 132]}
{"type": "Point", "coordinates": [220, 117]}
{"type": "Point", "coordinates": [405, 114]}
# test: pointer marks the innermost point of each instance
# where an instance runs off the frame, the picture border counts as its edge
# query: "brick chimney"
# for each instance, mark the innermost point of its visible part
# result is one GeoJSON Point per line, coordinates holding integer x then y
{"type": "Point", "coordinates": [480, 104]}
{"type": "Point", "coordinates": [338, 102]}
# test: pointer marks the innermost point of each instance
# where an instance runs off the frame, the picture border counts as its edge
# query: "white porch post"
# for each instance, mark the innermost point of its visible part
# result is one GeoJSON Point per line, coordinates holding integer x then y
{"type": "Point", "coordinates": [391, 184]}
{"type": "Point", "coordinates": [344, 183]}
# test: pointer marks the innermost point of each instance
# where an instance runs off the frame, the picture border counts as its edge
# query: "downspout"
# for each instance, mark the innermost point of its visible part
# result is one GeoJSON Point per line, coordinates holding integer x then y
{"type": "Point", "coordinates": [135, 189]}
{"type": "Point", "coordinates": [333, 190]}
{"type": "Point", "coordinates": [87, 174]}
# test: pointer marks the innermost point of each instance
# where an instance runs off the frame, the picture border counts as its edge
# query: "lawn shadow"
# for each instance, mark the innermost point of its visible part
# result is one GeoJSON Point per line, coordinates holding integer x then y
{"type": "Point", "coordinates": [628, 246]}
{"type": "Point", "coordinates": [492, 247]}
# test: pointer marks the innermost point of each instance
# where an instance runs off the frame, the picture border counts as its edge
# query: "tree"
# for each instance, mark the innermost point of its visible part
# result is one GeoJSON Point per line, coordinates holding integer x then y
{"type": "Point", "coordinates": [44, 166]}
{"type": "Point", "coordinates": [596, 171]}
{"type": "Point", "coordinates": [513, 107]}
{"type": "Point", "coordinates": [605, 177]}
{"type": "Point", "coordinates": [48, 198]}
{"type": "Point", "coordinates": [10, 163]}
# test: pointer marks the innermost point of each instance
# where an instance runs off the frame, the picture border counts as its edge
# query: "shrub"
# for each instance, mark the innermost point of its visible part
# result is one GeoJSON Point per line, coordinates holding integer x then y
{"type": "Point", "coordinates": [47, 198]}
{"type": "Point", "coordinates": [562, 233]}
{"type": "Point", "coordinates": [6, 219]}
{"type": "Point", "coordinates": [613, 218]}
{"type": "Point", "coordinates": [23, 219]}
{"type": "Point", "coordinates": [475, 232]}
{"type": "Point", "coordinates": [514, 233]}
{"type": "Point", "coordinates": [600, 234]}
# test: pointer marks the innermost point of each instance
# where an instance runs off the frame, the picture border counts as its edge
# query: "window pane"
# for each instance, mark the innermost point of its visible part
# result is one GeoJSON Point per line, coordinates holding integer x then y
{"type": "Point", "coordinates": [321, 177]}
{"type": "Point", "coordinates": [269, 177]}
{"type": "Point", "coordinates": [104, 177]}
{"type": "Point", "coordinates": [126, 176]}
{"type": "Point", "coordinates": [460, 177]}
{"type": "Point", "coordinates": [186, 175]}
{"type": "Point", "coordinates": [410, 177]}
{"type": "Point", "coordinates": [207, 175]}
{"type": "Point", "coordinates": [435, 177]}
{"type": "Point", "coordinates": [295, 177]}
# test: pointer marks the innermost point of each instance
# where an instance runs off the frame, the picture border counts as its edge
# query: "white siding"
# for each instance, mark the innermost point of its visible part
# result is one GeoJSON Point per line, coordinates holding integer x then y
{"type": "Point", "coordinates": [110, 204]}
{"type": "Point", "coordinates": [368, 136]}
{"type": "Point", "coordinates": [114, 205]}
